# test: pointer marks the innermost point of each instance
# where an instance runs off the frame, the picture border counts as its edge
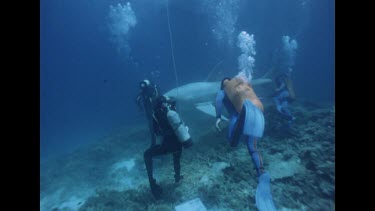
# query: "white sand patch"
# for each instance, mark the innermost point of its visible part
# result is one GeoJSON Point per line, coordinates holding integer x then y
{"type": "Point", "coordinates": [121, 183]}
{"type": "Point", "coordinates": [192, 205]}
{"type": "Point", "coordinates": [216, 171]}
{"type": "Point", "coordinates": [73, 203]}
{"type": "Point", "coordinates": [127, 164]}
{"type": "Point", "coordinates": [123, 175]}
{"type": "Point", "coordinates": [303, 208]}
{"type": "Point", "coordinates": [278, 168]}
{"type": "Point", "coordinates": [217, 167]}
{"type": "Point", "coordinates": [64, 200]}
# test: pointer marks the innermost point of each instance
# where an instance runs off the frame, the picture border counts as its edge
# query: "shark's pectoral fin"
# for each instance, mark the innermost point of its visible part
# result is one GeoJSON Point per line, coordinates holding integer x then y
{"type": "Point", "coordinates": [209, 109]}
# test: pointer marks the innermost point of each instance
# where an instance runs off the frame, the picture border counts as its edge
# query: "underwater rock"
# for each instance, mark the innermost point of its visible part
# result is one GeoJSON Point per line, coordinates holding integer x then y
{"type": "Point", "coordinates": [327, 189]}
{"type": "Point", "coordinates": [310, 165]}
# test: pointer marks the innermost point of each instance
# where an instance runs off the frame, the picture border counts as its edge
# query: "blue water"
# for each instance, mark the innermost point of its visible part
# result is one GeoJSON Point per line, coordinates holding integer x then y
{"type": "Point", "coordinates": [88, 87]}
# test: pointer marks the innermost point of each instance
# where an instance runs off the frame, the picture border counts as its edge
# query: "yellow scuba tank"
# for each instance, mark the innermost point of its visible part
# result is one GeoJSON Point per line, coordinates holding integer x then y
{"type": "Point", "coordinates": [289, 86]}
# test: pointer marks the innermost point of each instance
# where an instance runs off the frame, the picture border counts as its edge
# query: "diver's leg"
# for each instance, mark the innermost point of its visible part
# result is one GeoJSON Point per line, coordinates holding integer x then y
{"type": "Point", "coordinates": [263, 195]}
{"type": "Point", "coordinates": [287, 114]}
{"type": "Point", "coordinates": [232, 123]}
{"type": "Point", "coordinates": [255, 155]}
{"type": "Point", "coordinates": [177, 166]}
{"type": "Point", "coordinates": [173, 146]}
{"type": "Point", "coordinates": [149, 115]}
{"type": "Point", "coordinates": [280, 100]}
{"type": "Point", "coordinates": [238, 128]}
{"type": "Point", "coordinates": [277, 102]}
{"type": "Point", "coordinates": [148, 155]}
{"type": "Point", "coordinates": [152, 134]}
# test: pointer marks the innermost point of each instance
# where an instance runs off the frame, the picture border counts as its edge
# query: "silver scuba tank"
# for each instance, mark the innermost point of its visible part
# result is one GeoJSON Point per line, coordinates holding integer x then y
{"type": "Point", "coordinates": [178, 126]}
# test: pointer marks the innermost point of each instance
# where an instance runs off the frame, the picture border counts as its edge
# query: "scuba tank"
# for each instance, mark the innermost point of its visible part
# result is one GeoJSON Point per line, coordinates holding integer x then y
{"type": "Point", "coordinates": [167, 119]}
{"type": "Point", "coordinates": [179, 128]}
{"type": "Point", "coordinates": [289, 86]}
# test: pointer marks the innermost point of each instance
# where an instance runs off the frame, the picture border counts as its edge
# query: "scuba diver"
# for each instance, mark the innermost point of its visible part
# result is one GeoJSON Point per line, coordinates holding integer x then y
{"type": "Point", "coordinates": [222, 98]}
{"type": "Point", "coordinates": [246, 115]}
{"type": "Point", "coordinates": [284, 59]}
{"type": "Point", "coordinates": [148, 92]}
{"type": "Point", "coordinates": [246, 118]}
{"type": "Point", "coordinates": [283, 95]}
{"type": "Point", "coordinates": [167, 124]}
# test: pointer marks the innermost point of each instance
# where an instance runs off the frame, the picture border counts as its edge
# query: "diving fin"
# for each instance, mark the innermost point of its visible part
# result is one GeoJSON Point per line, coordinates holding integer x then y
{"type": "Point", "coordinates": [263, 196]}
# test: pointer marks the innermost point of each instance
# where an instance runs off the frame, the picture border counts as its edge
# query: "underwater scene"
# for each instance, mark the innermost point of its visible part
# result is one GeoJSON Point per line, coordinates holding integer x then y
{"type": "Point", "coordinates": [217, 105]}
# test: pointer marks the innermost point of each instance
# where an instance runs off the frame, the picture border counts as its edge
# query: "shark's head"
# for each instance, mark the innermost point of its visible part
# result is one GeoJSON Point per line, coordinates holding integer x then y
{"type": "Point", "coordinates": [195, 92]}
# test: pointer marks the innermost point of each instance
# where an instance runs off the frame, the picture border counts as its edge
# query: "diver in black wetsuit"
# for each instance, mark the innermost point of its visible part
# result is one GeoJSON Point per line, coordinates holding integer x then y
{"type": "Point", "coordinates": [167, 124]}
{"type": "Point", "coordinates": [148, 93]}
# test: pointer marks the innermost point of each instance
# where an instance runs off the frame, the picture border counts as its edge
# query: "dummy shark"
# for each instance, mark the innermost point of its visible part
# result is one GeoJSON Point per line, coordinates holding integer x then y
{"type": "Point", "coordinates": [202, 95]}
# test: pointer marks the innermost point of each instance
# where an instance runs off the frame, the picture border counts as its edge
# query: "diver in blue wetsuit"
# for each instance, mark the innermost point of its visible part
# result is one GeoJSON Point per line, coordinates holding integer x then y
{"type": "Point", "coordinates": [246, 118]}
{"type": "Point", "coordinates": [222, 98]}
{"type": "Point", "coordinates": [237, 120]}
{"type": "Point", "coordinates": [282, 96]}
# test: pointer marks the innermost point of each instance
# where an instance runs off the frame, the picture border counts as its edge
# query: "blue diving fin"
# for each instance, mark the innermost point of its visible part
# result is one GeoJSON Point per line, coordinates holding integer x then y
{"type": "Point", "coordinates": [263, 196]}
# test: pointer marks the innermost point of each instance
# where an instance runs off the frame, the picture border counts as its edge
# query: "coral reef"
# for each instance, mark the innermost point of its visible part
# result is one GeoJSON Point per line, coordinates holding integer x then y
{"type": "Point", "coordinates": [301, 162]}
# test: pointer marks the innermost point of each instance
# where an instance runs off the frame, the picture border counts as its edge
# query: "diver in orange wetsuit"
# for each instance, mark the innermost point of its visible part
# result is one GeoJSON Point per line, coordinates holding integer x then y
{"type": "Point", "coordinates": [246, 118]}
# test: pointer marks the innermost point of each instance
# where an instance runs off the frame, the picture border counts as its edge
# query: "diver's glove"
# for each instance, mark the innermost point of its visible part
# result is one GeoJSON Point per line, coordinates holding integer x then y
{"type": "Point", "coordinates": [217, 124]}
{"type": "Point", "coordinates": [188, 143]}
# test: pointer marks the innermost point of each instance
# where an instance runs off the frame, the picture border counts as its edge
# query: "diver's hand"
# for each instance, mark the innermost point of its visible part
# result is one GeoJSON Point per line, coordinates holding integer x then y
{"type": "Point", "coordinates": [217, 124]}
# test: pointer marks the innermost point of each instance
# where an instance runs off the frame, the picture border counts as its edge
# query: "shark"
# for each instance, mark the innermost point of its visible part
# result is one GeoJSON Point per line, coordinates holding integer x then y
{"type": "Point", "coordinates": [202, 95]}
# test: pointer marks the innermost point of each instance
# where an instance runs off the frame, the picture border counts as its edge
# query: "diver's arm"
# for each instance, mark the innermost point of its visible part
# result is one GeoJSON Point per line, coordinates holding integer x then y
{"type": "Point", "coordinates": [156, 89]}
{"type": "Point", "coordinates": [219, 103]}
{"type": "Point", "coordinates": [282, 86]}
{"type": "Point", "coordinates": [138, 101]}
{"type": "Point", "coordinates": [218, 107]}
